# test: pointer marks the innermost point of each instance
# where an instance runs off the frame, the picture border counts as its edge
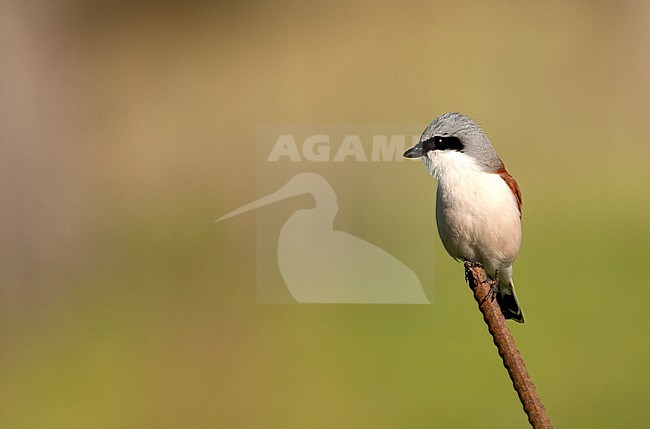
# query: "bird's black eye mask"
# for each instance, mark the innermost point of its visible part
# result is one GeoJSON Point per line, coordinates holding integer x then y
{"type": "Point", "coordinates": [435, 143]}
{"type": "Point", "coordinates": [443, 143]}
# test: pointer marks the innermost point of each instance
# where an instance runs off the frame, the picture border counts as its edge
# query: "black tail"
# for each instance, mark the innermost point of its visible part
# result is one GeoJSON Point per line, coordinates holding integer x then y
{"type": "Point", "coordinates": [508, 302]}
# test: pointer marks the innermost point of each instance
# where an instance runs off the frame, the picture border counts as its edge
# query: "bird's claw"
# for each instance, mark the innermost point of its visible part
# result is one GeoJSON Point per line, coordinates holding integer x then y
{"type": "Point", "coordinates": [468, 267]}
{"type": "Point", "coordinates": [492, 293]}
{"type": "Point", "coordinates": [494, 283]}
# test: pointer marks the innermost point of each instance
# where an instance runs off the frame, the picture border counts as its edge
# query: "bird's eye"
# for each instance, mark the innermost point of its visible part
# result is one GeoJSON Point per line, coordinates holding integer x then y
{"type": "Point", "coordinates": [442, 143]}
{"type": "Point", "coordinates": [448, 143]}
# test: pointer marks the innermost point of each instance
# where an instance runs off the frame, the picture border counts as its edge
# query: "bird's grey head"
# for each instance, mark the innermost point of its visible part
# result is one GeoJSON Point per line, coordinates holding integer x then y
{"type": "Point", "coordinates": [457, 132]}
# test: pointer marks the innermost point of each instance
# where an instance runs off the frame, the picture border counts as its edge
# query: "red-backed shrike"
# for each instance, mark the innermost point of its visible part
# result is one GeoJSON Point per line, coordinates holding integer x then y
{"type": "Point", "coordinates": [478, 205]}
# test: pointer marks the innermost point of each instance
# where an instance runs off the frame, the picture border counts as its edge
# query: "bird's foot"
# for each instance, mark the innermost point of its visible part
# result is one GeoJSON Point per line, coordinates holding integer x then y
{"type": "Point", "coordinates": [492, 293]}
{"type": "Point", "coordinates": [494, 287]}
{"type": "Point", "coordinates": [468, 267]}
{"type": "Point", "coordinates": [494, 283]}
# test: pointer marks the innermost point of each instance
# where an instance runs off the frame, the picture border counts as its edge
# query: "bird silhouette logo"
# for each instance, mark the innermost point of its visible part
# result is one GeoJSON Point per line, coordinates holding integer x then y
{"type": "Point", "coordinates": [322, 265]}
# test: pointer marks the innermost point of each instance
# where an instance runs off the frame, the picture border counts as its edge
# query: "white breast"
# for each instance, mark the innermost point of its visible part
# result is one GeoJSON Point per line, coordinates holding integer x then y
{"type": "Point", "coordinates": [476, 212]}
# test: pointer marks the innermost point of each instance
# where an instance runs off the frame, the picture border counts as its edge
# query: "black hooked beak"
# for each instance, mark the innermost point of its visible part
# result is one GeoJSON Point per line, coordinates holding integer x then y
{"type": "Point", "coordinates": [414, 152]}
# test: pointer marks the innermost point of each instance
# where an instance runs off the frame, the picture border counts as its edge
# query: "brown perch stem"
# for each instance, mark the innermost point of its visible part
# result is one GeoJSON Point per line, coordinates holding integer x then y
{"type": "Point", "coordinates": [505, 343]}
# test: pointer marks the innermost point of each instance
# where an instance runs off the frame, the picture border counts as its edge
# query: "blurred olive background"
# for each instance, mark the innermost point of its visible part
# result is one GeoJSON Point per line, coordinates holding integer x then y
{"type": "Point", "coordinates": [127, 129]}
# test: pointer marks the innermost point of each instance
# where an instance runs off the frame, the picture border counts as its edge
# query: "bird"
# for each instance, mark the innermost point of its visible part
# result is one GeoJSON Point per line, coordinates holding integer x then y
{"type": "Point", "coordinates": [322, 265]}
{"type": "Point", "coordinates": [478, 203]}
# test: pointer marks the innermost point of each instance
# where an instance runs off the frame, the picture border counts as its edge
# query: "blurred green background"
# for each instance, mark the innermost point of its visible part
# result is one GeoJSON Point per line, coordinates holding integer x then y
{"type": "Point", "coordinates": [128, 129]}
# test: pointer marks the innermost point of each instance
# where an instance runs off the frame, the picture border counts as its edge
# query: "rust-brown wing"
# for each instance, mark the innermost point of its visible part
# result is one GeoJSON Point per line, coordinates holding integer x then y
{"type": "Point", "coordinates": [512, 184]}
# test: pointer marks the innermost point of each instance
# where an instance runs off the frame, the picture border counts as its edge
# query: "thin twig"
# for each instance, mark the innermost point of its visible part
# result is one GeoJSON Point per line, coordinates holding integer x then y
{"type": "Point", "coordinates": [505, 343]}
